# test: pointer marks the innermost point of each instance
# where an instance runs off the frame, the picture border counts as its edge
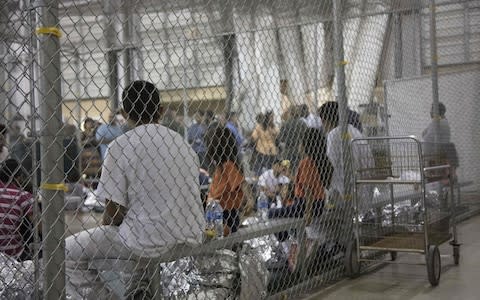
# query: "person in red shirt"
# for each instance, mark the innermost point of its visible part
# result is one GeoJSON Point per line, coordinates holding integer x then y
{"type": "Point", "coordinates": [314, 175]}
{"type": "Point", "coordinates": [15, 207]}
{"type": "Point", "coordinates": [228, 183]}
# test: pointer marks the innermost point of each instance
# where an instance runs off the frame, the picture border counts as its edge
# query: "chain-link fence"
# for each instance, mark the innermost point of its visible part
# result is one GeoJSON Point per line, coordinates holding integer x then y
{"type": "Point", "coordinates": [245, 189]}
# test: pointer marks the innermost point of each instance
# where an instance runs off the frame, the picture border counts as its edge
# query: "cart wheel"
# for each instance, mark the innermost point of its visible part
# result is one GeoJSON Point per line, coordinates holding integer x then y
{"type": "Point", "coordinates": [456, 254]}
{"type": "Point", "coordinates": [434, 265]}
{"type": "Point", "coordinates": [393, 255]}
{"type": "Point", "coordinates": [352, 265]}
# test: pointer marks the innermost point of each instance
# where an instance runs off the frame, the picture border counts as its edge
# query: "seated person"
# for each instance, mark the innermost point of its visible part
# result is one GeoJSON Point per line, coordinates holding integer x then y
{"type": "Point", "coordinates": [313, 176]}
{"type": "Point", "coordinates": [150, 186]}
{"type": "Point", "coordinates": [271, 180]}
{"type": "Point", "coordinates": [228, 183]}
{"type": "Point", "coordinates": [16, 209]}
{"type": "Point", "coordinates": [287, 194]}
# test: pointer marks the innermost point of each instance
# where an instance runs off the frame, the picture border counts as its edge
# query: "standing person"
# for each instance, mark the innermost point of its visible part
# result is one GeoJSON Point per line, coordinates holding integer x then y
{"type": "Point", "coordinates": [170, 121]}
{"type": "Point", "coordinates": [354, 120]}
{"type": "Point", "coordinates": [106, 133]}
{"type": "Point", "coordinates": [209, 118]}
{"type": "Point", "coordinates": [150, 186]}
{"type": "Point", "coordinates": [264, 136]}
{"type": "Point", "coordinates": [196, 136]}
{"type": "Point", "coordinates": [232, 125]}
{"type": "Point", "coordinates": [88, 134]}
{"type": "Point", "coordinates": [330, 118]}
{"type": "Point", "coordinates": [437, 146]}
{"type": "Point", "coordinates": [228, 184]}
{"type": "Point", "coordinates": [314, 175]}
{"type": "Point", "coordinates": [91, 161]}
{"type": "Point", "coordinates": [311, 120]}
{"type": "Point", "coordinates": [438, 127]}
{"type": "Point", "coordinates": [16, 208]}
{"type": "Point", "coordinates": [290, 136]}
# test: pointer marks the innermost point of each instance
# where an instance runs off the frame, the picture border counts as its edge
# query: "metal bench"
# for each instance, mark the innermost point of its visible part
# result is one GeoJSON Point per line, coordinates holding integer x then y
{"type": "Point", "coordinates": [146, 280]}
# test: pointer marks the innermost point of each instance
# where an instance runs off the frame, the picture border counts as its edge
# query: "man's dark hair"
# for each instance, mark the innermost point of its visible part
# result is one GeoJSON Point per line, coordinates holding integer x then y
{"type": "Point", "coordinates": [441, 109]}
{"type": "Point", "coordinates": [141, 101]}
{"type": "Point", "coordinates": [209, 117]}
{"type": "Point", "coordinates": [329, 112]}
{"type": "Point", "coordinates": [88, 120]}
{"type": "Point", "coordinates": [9, 170]}
{"type": "Point", "coordinates": [221, 145]}
{"type": "Point", "coordinates": [230, 115]}
{"type": "Point", "coordinates": [303, 110]}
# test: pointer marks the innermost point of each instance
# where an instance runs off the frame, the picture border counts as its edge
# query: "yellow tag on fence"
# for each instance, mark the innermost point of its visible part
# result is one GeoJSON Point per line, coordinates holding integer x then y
{"type": "Point", "coordinates": [49, 30]}
{"type": "Point", "coordinates": [54, 187]}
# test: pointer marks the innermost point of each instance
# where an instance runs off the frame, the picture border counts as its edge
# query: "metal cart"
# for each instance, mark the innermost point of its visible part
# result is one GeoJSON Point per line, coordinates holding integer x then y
{"type": "Point", "coordinates": [416, 220]}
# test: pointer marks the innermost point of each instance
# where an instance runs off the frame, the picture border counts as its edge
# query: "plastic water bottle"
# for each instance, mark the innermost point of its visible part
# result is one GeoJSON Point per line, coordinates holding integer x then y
{"type": "Point", "coordinates": [214, 219]}
{"type": "Point", "coordinates": [262, 207]}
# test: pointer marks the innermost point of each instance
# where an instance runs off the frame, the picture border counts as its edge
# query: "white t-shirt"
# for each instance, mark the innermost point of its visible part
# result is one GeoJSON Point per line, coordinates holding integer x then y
{"type": "Point", "coordinates": [313, 121]}
{"type": "Point", "coordinates": [153, 172]}
{"type": "Point", "coordinates": [360, 160]}
{"type": "Point", "coordinates": [268, 180]}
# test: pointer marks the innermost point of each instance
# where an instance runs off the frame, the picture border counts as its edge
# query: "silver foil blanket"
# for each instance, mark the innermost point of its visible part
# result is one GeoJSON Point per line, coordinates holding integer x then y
{"type": "Point", "coordinates": [212, 276]}
{"type": "Point", "coordinates": [411, 211]}
{"type": "Point", "coordinates": [16, 279]}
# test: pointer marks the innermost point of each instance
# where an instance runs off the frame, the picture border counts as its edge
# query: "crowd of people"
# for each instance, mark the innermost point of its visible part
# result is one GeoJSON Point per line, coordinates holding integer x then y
{"type": "Point", "coordinates": [287, 160]}
{"type": "Point", "coordinates": [151, 170]}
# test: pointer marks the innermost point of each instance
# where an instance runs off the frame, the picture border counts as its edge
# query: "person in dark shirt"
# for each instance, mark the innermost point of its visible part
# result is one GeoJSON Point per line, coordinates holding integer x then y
{"type": "Point", "coordinates": [354, 120]}
{"type": "Point", "coordinates": [290, 136]}
{"type": "Point", "coordinates": [196, 136]}
{"type": "Point", "coordinates": [170, 121]}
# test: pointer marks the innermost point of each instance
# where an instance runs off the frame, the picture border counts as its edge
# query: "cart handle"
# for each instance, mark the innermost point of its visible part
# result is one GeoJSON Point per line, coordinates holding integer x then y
{"type": "Point", "coordinates": [426, 169]}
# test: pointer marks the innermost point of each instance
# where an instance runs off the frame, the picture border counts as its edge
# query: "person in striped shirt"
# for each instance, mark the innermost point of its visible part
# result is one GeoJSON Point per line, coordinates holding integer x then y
{"type": "Point", "coordinates": [15, 206]}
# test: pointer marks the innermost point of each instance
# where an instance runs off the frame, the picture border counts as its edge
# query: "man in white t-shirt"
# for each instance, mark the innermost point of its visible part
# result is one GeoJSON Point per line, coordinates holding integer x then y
{"type": "Point", "coordinates": [271, 180]}
{"type": "Point", "coordinates": [150, 186]}
{"type": "Point", "coordinates": [329, 114]}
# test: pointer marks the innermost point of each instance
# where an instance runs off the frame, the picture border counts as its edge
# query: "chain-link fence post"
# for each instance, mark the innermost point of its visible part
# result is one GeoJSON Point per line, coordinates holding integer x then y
{"type": "Point", "coordinates": [434, 70]}
{"type": "Point", "coordinates": [111, 55]}
{"type": "Point", "coordinates": [341, 97]}
{"type": "Point", "coordinates": [52, 195]}
{"type": "Point", "coordinates": [397, 54]}
{"type": "Point", "coordinates": [3, 63]}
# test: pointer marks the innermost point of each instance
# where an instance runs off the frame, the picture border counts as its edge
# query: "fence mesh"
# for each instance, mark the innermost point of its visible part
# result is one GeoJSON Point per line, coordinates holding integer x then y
{"type": "Point", "coordinates": [201, 149]}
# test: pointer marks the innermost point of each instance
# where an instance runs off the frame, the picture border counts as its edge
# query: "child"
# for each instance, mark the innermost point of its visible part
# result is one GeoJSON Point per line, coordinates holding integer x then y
{"type": "Point", "coordinates": [228, 184]}
{"type": "Point", "coordinates": [313, 176]}
{"type": "Point", "coordinates": [16, 209]}
{"type": "Point", "coordinates": [287, 193]}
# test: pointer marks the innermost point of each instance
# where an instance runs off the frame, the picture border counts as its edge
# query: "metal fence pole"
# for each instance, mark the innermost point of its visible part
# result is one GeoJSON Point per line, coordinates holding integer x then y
{"type": "Point", "coordinates": [30, 18]}
{"type": "Point", "coordinates": [341, 96]}
{"type": "Point", "coordinates": [112, 55]}
{"type": "Point", "coordinates": [434, 67]}
{"type": "Point", "coordinates": [185, 82]}
{"type": "Point", "coordinates": [228, 42]}
{"type": "Point", "coordinates": [3, 64]}
{"type": "Point", "coordinates": [316, 103]}
{"type": "Point", "coordinates": [398, 55]}
{"type": "Point", "coordinates": [52, 195]}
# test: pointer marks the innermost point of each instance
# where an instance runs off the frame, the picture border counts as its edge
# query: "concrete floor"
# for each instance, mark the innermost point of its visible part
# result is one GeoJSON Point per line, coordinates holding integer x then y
{"type": "Point", "coordinates": [401, 282]}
